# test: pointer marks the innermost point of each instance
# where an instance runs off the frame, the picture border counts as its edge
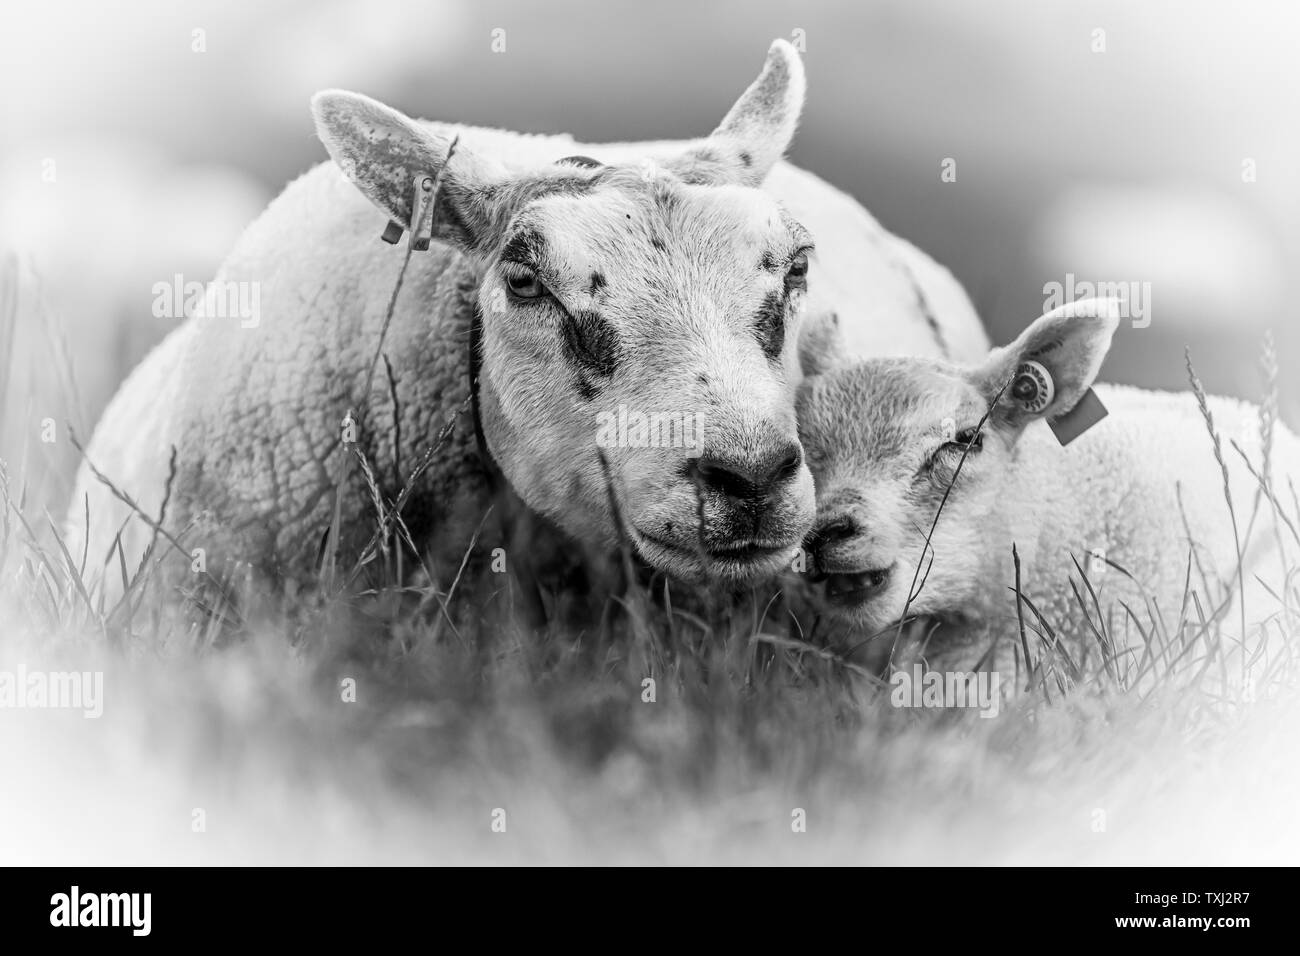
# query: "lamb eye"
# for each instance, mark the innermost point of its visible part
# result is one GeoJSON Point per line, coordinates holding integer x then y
{"type": "Point", "coordinates": [524, 284]}
{"type": "Point", "coordinates": [966, 442]}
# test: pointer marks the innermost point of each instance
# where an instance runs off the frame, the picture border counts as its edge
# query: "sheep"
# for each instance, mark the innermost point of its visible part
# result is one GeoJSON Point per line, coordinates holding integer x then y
{"type": "Point", "coordinates": [655, 276]}
{"type": "Point", "coordinates": [908, 449]}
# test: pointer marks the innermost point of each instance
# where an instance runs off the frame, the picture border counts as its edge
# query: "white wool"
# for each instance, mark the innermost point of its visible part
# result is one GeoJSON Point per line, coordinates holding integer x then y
{"type": "Point", "coordinates": [1144, 490]}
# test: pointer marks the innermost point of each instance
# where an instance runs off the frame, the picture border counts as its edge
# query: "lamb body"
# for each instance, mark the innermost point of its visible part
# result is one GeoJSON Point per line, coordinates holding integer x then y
{"type": "Point", "coordinates": [1133, 500]}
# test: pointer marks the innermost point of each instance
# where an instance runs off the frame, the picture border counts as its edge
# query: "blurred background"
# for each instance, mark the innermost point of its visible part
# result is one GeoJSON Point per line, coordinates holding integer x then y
{"type": "Point", "coordinates": [1150, 143]}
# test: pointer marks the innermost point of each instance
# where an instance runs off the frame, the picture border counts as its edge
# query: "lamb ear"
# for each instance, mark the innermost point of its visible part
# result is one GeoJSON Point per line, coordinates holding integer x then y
{"type": "Point", "coordinates": [382, 152]}
{"type": "Point", "coordinates": [821, 346]}
{"type": "Point", "coordinates": [757, 130]}
{"type": "Point", "coordinates": [1051, 365]}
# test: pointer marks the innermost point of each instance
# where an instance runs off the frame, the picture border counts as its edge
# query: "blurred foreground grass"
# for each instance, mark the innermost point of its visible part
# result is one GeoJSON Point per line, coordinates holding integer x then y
{"type": "Point", "coordinates": [463, 708]}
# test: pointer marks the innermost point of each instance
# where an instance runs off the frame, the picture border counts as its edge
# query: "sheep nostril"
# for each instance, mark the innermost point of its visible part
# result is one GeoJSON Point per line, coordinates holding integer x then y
{"type": "Point", "coordinates": [743, 478]}
{"type": "Point", "coordinates": [789, 466]}
{"type": "Point", "coordinates": [826, 534]}
{"type": "Point", "coordinates": [835, 531]}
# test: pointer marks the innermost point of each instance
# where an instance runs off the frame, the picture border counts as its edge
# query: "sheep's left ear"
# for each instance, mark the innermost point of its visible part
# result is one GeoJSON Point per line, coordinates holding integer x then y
{"type": "Point", "coordinates": [1050, 367]}
{"type": "Point", "coordinates": [757, 130]}
{"type": "Point", "coordinates": [821, 346]}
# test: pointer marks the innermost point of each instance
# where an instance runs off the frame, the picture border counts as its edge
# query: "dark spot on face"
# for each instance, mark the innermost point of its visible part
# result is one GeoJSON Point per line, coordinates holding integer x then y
{"type": "Point", "coordinates": [592, 343]}
{"type": "Point", "coordinates": [746, 160]}
{"type": "Point", "coordinates": [769, 326]}
{"type": "Point", "coordinates": [524, 247]}
{"type": "Point", "coordinates": [657, 243]}
{"type": "Point", "coordinates": [702, 379]}
{"type": "Point", "coordinates": [768, 262]}
{"type": "Point", "coordinates": [597, 283]}
{"type": "Point", "coordinates": [586, 390]}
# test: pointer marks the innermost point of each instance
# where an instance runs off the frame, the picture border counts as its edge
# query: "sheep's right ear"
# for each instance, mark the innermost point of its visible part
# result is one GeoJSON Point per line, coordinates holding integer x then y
{"type": "Point", "coordinates": [758, 128]}
{"type": "Point", "coordinates": [382, 152]}
{"type": "Point", "coordinates": [1048, 369]}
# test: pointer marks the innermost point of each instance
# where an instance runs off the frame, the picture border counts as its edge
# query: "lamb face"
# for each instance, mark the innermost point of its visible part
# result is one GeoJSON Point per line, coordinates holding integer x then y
{"type": "Point", "coordinates": [638, 326]}
{"type": "Point", "coordinates": [892, 441]}
{"type": "Point", "coordinates": [887, 440]}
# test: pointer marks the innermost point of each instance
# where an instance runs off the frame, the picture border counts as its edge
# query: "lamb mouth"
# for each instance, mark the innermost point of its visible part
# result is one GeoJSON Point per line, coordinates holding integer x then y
{"type": "Point", "coordinates": [853, 588]}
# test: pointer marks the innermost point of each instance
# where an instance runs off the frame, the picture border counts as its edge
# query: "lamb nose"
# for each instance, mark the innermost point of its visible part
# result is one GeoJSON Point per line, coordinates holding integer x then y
{"type": "Point", "coordinates": [747, 477]}
{"type": "Point", "coordinates": [830, 531]}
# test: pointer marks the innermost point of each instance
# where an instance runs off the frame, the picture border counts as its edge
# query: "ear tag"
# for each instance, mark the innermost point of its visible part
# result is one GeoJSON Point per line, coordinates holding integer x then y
{"type": "Point", "coordinates": [1079, 419]}
{"type": "Point", "coordinates": [425, 191]}
{"type": "Point", "coordinates": [1033, 387]}
{"type": "Point", "coordinates": [421, 209]}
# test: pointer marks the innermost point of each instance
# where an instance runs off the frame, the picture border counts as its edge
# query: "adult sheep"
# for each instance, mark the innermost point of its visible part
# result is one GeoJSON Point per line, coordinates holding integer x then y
{"type": "Point", "coordinates": [656, 277]}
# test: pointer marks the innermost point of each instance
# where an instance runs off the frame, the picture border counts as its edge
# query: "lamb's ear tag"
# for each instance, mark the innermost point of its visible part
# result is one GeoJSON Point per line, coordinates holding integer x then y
{"type": "Point", "coordinates": [421, 213]}
{"type": "Point", "coordinates": [392, 233]}
{"type": "Point", "coordinates": [1088, 412]}
{"type": "Point", "coordinates": [1033, 387]}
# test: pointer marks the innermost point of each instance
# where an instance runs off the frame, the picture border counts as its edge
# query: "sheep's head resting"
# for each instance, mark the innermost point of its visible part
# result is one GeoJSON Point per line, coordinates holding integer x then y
{"type": "Point", "coordinates": [638, 325]}
{"type": "Point", "coordinates": [888, 439]}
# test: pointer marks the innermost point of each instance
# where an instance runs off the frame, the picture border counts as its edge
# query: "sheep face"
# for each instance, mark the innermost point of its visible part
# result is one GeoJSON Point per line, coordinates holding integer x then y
{"type": "Point", "coordinates": [914, 464]}
{"type": "Point", "coordinates": [638, 321]}
{"type": "Point", "coordinates": [638, 351]}
{"type": "Point", "coordinates": [885, 440]}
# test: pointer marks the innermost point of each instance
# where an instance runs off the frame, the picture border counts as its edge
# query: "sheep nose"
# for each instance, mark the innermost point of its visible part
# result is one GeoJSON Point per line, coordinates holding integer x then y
{"type": "Point", "coordinates": [834, 530]}
{"type": "Point", "coordinates": [748, 477]}
{"type": "Point", "coordinates": [829, 531]}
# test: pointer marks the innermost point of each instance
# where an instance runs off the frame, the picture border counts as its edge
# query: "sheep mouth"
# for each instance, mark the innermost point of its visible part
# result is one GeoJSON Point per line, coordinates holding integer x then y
{"type": "Point", "coordinates": [854, 588]}
{"type": "Point", "coordinates": [736, 559]}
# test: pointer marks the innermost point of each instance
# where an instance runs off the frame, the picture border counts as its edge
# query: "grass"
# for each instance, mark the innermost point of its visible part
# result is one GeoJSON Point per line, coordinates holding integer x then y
{"type": "Point", "coordinates": [464, 706]}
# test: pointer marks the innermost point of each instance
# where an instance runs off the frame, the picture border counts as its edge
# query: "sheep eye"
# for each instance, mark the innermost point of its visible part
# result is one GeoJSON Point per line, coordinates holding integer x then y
{"type": "Point", "coordinates": [524, 284]}
{"type": "Point", "coordinates": [950, 451]}
{"type": "Point", "coordinates": [798, 266]}
{"type": "Point", "coordinates": [796, 276]}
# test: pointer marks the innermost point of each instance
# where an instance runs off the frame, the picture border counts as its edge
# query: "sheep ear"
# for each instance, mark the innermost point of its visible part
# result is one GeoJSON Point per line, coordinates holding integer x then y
{"type": "Point", "coordinates": [821, 347]}
{"type": "Point", "coordinates": [1048, 369]}
{"type": "Point", "coordinates": [382, 152]}
{"type": "Point", "coordinates": [757, 130]}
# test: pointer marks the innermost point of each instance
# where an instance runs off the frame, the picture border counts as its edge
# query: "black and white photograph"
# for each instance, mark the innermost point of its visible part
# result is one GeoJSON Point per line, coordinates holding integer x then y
{"type": "Point", "coordinates": [560, 433]}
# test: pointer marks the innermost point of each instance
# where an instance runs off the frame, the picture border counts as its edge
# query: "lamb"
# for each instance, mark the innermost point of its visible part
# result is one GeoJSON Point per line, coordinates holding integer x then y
{"type": "Point", "coordinates": [655, 276]}
{"type": "Point", "coordinates": [893, 443]}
